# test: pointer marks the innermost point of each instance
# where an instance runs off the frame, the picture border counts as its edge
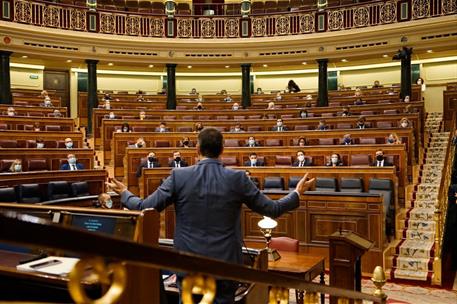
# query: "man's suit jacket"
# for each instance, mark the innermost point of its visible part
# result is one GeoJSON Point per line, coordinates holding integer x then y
{"type": "Point", "coordinates": [66, 166]}
{"type": "Point", "coordinates": [258, 164]}
{"type": "Point", "coordinates": [255, 145]}
{"type": "Point", "coordinates": [173, 164]}
{"type": "Point", "coordinates": [208, 198]}
{"type": "Point", "coordinates": [275, 128]}
{"type": "Point", "coordinates": [139, 170]}
{"type": "Point", "coordinates": [307, 162]}
{"type": "Point", "coordinates": [386, 163]}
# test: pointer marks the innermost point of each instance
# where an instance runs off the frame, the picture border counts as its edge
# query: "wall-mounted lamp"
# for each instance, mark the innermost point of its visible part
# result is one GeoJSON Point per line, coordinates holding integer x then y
{"type": "Point", "coordinates": [92, 5]}
{"type": "Point", "coordinates": [170, 8]}
{"type": "Point", "coordinates": [245, 8]}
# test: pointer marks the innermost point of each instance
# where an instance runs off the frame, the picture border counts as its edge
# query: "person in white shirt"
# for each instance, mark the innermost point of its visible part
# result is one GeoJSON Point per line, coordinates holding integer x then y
{"type": "Point", "coordinates": [72, 164]}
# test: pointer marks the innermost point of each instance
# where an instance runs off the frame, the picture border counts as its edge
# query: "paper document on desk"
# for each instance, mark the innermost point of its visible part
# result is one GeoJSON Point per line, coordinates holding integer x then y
{"type": "Point", "coordinates": [51, 265]}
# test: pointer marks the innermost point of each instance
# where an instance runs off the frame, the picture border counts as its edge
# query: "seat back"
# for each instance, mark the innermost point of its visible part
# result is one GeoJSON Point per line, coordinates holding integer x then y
{"type": "Point", "coordinates": [58, 190]}
{"type": "Point", "coordinates": [8, 195]}
{"type": "Point", "coordinates": [231, 143]}
{"type": "Point", "coordinates": [162, 143]}
{"type": "Point", "coordinates": [283, 160]}
{"type": "Point", "coordinates": [273, 182]}
{"type": "Point", "coordinates": [254, 128]}
{"type": "Point", "coordinates": [384, 124]}
{"type": "Point", "coordinates": [229, 160]}
{"type": "Point", "coordinates": [326, 141]}
{"type": "Point", "coordinates": [8, 143]}
{"type": "Point", "coordinates": [80, 189]}
{"type": "Point", "coordinates": [325, 184]}
{"type": "Point", "coordinates": [360, 160]}
{"type": "Point", "coordinates": [367, 141]}
{"type": "Point", "coordinates": [284, 243]}
{"type": "Point", "coordinates": [385, 188]}
{"type": "Point", "coordinates": [351, 185]}
{"type": "Point", "coordinates": [5, 164]}
{"type": "Point", "coordinates": [343, 126]}
{"type": "Point", "coordinates": [29, 193]}
{"type": "Point", "coordinates": [30, 143]}
{"type": "Point", "coordinates": [139, 129]}
{"type": "Point", "coordinates": [52, 128]}
{"type": "Point", "coordinates": [37, 164]}
{"type": "Point", "coordinates": [293, 181]}
{"type": "Point", "coordinates": [273, 142]}
{"type": "Point", "coordinates": [392, 111]}
{"type": "Point", "coordinates": [302, 127]}
{"type": "Point", "coordinates": [184, 129]}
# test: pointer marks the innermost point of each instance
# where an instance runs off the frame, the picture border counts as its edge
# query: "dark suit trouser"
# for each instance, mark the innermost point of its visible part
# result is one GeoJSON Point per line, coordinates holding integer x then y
{"type": "Point", "coordinates": [225, 291]}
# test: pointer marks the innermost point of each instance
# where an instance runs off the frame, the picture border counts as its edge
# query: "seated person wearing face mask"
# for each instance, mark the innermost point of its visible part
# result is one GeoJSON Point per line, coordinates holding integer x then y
{"type": "Point", "coordinates": [177, 161]}
{"type": "Point", "coordinates": [359, 102]}
{"type": "Point", "coordinates": [106, 106]}
{"type": "Point", "coordinates": [140, 143]}
{"type": "Point", "coordinates": [393, 139]}
{"type": "Point", "coordinates": [151, 162]}
{"type": "Point", "coordinates": [16, 166]}
{"type": "Point", "coordinates": [72, 164]}
{"type": "Point", "coordinates": [301, 161]}
{"type": "Point", "coordinates": [252, 142]}
{"type": "Point", "coordinates": [105, 201]}
{"type": "Point", "coordinates": [406, 99]}
{"type": "Point", "coordinates": [235, 106]}
{"type": "Point", "coordinates": [199, 107]}
{"type": "Point", "coordinates": [361, 123]}
{"type": "Point", "coordinates": [253, 161]}
{"type": "Point", "coordinates": [301, 142]}
{"type": "Point", "coordinates": [111, 115]}
{"type": "Point", "coordinates": [237, 129]}
{"type": "Point", "coordinates": [335, 161]}
{"type": "Point", "coordinates": [404, 123]}
{"type": "Point", "coordinates": [68, 143]}
{"type": "Point", "coordinates": [380, 160]}
{"type": "Point", "coordinates": [162, 128]}
{"type": "Point", "coordinates": [47, 102]}
{"type": "Point", "coordinates": [36, 127]}
{"type": "Point", "coordinates": [10, 111]}
{"type": "Point", "coordinates": [347, 140]}
{"type": "Point", "coordinates": [125, 128]}
{"type": "Point", "coordinates": [345, 112]}
{"type": "Point", "coordinates": [279, 126]}
{"type": "Point", "coordinates": [322, 126]}
{"type": "Point", "coordinates": [303, 114]}
{"type": "Point", "coordinates": [56, 113]}
{"type": "Point", "coordinates": [39, 143]}
{"type": "Point", "coordinates": [228, 98]}
{"type": "Point", "coordinates": [142, 115]}
{"type": "Point", "coordinates": [185, 143]}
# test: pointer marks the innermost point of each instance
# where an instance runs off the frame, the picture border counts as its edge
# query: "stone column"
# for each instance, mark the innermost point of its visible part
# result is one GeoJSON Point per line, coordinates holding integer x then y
{"type": "Point", "coordinates": [171, 86]}
{"type": "Point", "coordinates": [92, 98]}
{"type": "Point", "coordinates": [322, 96]}
{"type": "Point", "coordinates": [246, 85]}
{"type": "Point", "coordinates": [5, 80]}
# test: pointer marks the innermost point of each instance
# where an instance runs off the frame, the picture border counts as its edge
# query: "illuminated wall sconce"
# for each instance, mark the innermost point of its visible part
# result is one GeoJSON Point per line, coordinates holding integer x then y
{"type": "Point", "coordinates": [322, 4]}
{"type": "Point", "coordinates": [92, 5]}
{"type": "Point", "coordinates": [245, 8]}
{"type": "Point", "coordinates": [170, 8]}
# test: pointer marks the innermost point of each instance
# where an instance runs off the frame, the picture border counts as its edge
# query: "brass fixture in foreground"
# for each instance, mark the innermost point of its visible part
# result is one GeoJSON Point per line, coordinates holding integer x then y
{"type": "Point", "coordinates": [102, 272]}
{"type": "Point", "coordinates": [278, 294]}
{"type": "Point", "coordinates": [379, 279]}
{"type": "Point", "coordinates": [198, 284]}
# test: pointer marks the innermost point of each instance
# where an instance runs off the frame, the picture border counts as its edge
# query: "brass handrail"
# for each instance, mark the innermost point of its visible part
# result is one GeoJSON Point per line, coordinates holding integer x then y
{"type": "Point", "coordinates": [28, 230]}
{"type": "Point", "coordinates": [441, 207]}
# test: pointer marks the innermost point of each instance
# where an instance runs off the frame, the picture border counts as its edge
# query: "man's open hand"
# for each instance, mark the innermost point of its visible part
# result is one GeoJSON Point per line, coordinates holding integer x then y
{"type": "Point", "coordinates": [116, 186]}
{"type": "Point", "coordinates": [304, 184]}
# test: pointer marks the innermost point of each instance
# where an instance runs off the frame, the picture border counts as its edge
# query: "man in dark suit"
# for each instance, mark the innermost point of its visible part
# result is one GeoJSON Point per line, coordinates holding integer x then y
{"type": "Point", "coordinates": [208, 198]}
{"type": "Point", "coordinates": [177, 161]}
{"type": "Point", "coordinates": [252, 142]}
{"type": "Point", "coordinates": [253, 161]}
{"type": "Point", "coordinates": [72, 164]}
{"type": "Point", "coordinates": [151, 162]}
{"type": "Point", "coordinates": [381, 161]}
{"type": "Point", "coordinates": [279, 126]}
{"type": "Point", "coordinates": [301, 161]}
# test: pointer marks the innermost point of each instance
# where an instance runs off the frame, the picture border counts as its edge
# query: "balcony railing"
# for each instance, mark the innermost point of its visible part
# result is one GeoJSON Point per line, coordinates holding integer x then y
{"type": "Point", "coordinates": [359, 15]}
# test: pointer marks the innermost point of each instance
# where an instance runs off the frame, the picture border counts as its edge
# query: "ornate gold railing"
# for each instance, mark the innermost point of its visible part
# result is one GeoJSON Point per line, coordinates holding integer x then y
{"type": "Point", "coordinates": [441, 208]}
{"type": "Point", "coordinates": [32, 231]}
{"type": "Point", "coordinates": [354, 16]}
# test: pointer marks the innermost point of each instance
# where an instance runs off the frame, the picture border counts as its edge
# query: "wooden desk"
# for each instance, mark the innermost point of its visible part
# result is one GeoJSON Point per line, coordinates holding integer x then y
{"type": "Point", "coordinates": [300, 266]}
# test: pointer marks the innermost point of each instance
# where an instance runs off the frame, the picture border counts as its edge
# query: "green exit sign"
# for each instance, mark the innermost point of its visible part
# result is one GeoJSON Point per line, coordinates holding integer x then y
{"type": "Point", "coordinates": [33, 76]}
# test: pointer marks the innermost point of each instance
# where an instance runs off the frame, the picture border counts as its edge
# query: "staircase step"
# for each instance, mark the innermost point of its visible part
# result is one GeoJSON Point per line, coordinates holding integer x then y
{"type": "Point", "coordinates": [415, 264]}
{"type": "Point", "coordinates": [418, 235]}
{"type": "Point", "coordinates": [420, 225]}
{"type": "Point", "coordinates": [421, 214]}
{"type": "Point", "coordinates": [416, 249]}
{"type": "Point", "coordinates": [411, 275]}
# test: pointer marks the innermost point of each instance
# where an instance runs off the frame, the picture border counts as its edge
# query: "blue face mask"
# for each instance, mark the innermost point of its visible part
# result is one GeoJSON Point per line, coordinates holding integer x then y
{"type": "Point", "coordinates": [109, 204]}
{"type": "Point", "coordinates": [390, 140]}
{"type": "Point", "coordinates": [347, 140]}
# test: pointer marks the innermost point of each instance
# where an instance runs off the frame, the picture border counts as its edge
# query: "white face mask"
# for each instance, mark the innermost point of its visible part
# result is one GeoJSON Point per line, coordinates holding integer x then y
{"type": "Point", "coordinates": [237, 129]}
{"type": "Point", "coordinates": [112, 116]}
{"type": "Point", "coordinates": [235, 108]}
{"type": "Point", "coordinates": [72, 160]}
{"type": "Point", "coordinates": [404, 124]}
{"type": "Point", "coordinates": [109, 204]}
{"type": "Point", "coordinates": [17, 168]}
{"type": "Point", "coordinates": [251, 142]}
{"type": "Point", "coordinates": [47, 102]}
{"type": "Point", "coordinates": [162, 129]}
{"type": "Point", "coordinates": [303, 115]}
{"type": "Point", "coordinates": [334, 160]}
{"type": "Point", "coordinates": [10, 113]}
{"type": "Point", "coordinates": [107, 106]}
{"type": "Point", "coordinates": [253, 160]}
{"type": "Point", "coordinates": [125, 129]}
{"type": "Point", "coordinates": [69, 145]}
{"type": "Point", "coordinates": [40, 145]}
{"type": "Point", "coordinates": [279, 123]}
{"type": "Point", "coordinates": [301, 158]}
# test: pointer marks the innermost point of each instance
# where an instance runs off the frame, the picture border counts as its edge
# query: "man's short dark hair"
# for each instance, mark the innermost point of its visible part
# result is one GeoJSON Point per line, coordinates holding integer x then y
{"type": "Point", "coordinates": [211, 142]}
{"type": "Point", "coordinates": [252, 153]}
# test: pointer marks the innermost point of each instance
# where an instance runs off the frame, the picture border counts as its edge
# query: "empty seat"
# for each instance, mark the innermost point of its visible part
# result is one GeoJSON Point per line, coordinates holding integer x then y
{"type": "Point", "coordinates": [144, 6]}
{"type": "Point", "coordinates": [5, 164]}
{"type": "Point", "coordinates": [183, 9]}
{"type": "Point", "coordinates": [326, 141]}
{"type": "Point", "coordinates": [385, 188]}
{"type": "Point", "coordinates": [3, 126]}
{"type": "Point", "coordinates": [283, 160]}
{"type": "Point", "coordinates": [233, 9]}
{"type": "Point", "coordinates": [293, 181]}
{"type": "Point", "coordinates": [287, 116]}
{"type": "Point", "coordinates": [58, 190]}
{"type": "Point", "coordinates": [257, 7]}
{"type": "Point", "coordinates": [184, 129]}
{"type": "Point", "coordinates": [231, 143]}
{"type": "Point", "coordinates": [360, 160]}
{"type": "Point", "coordinates": [187, 117]}
{"type": "Point", "coordinates": [343, 126]}
{"type": "Point", "coordinates": [29, 193]}
{"type": "Point", "coordinates": [8, 195]}
{"type": "Point", "coordinates": [384, 124]}
{"type": "Point", "coordinates": [132, 6]}
{"type": "Point", "coordinates": [8, 143]}
{"type": "Point", "coordinates": [239, 117]}
{"type": "Point", "coordinates": [30, 143]}
{"type": "Point", "coordinates": [139, 129]}
{"type": "Point", "coordinates": [229, 160]}
{"type": "Point", "coordinates": [254, 116]}
{"type": "Point", "coordinates": [367, 141]}
{"type": "Point", "coordinates": [169, 117]}
{"type": "Point", "coordinates": [204, 117]}
{"type": "Point", "coordinates": [221, 129]}
{"type": "Point", "coordinates": [254, 128]}
{"type": "Point", "coordinates": [273, 183]}
{"type": "Point", "coordinates": [327, 115]}
{"type": "Point", "coordinates": [334, 104]}
{"type": "Point", "coordinates": [367, 113]}
{"type": "Point", "coordinates": [302, 127]}
{"type": "Point", "coordinates": [273, 142]}
{"type": "Point", "coordinates": [284, 243]}
{"type": "Point", "coordinates": [222, 117]}
{"type": "Point", "coordinates": [37, 164]}
{"type": "Point", "coordinates": [162, 143]}
{"type": "Point", "coordinates": [271, 6]}
{"type": "Point", "coordinates": [325, 184]}
{"type": "Point", "coordinates": [393, 111]}
{"type": "Point", "coordinates": [80, 189]}
{"type": "Point", "coordinates": [157, 8]}
{"type": "Point", "coordinates": [52, 128]}
{"type": "Point", "coordinates": [351, 185]}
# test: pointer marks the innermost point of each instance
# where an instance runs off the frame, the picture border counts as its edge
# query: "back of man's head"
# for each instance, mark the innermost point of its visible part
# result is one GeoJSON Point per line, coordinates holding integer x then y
{"type": "Point", "coordinates": [210, 142]}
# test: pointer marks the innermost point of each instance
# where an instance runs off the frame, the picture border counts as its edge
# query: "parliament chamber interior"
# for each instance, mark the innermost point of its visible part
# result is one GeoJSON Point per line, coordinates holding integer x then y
{"type": "Point", "coordinates": [360, 95]}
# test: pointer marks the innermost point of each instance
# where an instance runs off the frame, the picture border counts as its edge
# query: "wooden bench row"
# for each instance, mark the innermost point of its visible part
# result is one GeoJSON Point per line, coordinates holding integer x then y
{"type": "Point", "coordinates": [45, 123]}
{"type": "Point", "coordinates": [33, 110]}
{"type": "Point", "coordinates": [50, 139]}
{"type": "Point", "coordinates": [166, 115]}
{"type": "Point", "coordinates": [45, 159]}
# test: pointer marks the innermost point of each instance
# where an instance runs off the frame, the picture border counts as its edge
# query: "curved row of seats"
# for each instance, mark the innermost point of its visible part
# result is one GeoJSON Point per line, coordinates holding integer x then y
{"type": "Point", "coordinates": [14, 143]}
{"type": "Point", "coordinates": [36, 193]}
